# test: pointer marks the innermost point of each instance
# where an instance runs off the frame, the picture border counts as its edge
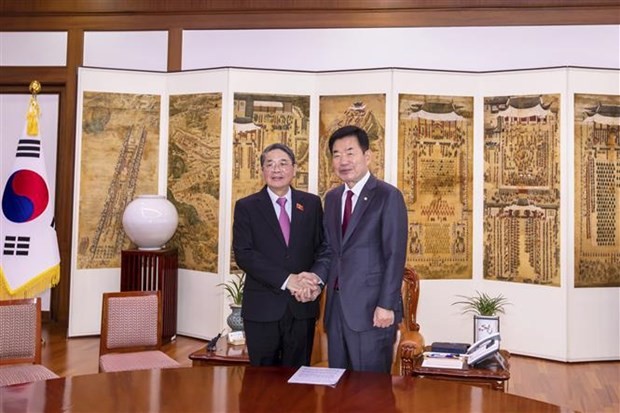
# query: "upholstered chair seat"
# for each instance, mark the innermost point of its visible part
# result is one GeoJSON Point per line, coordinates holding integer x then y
{"type": "Point", "coordinates": [131, 325]}
{"type": "Point", "coordinates": [139, 360]}
{"type": "Point", "coordinates": [24, 373]}
{"type": "Point", "coordinates": [20, 342]}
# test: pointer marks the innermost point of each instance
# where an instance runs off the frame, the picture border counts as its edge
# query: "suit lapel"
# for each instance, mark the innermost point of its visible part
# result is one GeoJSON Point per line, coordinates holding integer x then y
{"type": "Point", "coordinates": [337, 215]}
{"type": "Point", "coordinates": [266, 209]}
{"type": "Point", "coordinates": [364, 200]}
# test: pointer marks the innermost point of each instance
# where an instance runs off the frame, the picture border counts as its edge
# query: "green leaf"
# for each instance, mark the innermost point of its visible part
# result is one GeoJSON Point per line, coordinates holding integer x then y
{"type": "Point", "coordinates": [482, 304]}
{"type": "Point", "coordinates": [234, 288]}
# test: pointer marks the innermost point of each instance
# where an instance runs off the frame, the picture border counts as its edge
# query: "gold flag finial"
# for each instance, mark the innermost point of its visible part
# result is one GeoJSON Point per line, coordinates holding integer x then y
{"type": "Point", "coordinates": [34, 111]}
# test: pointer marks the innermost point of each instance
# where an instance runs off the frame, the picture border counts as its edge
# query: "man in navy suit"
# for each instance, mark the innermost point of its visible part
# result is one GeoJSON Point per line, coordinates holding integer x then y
{"type": "Point", "coordinates": [277, 239]}
{"type": "Point", "coordinates": [366, 228]}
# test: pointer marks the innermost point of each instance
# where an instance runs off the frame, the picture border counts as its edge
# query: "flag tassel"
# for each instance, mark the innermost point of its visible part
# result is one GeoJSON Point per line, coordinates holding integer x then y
{"type": "Point", "coordinates": [34, 111]}
{"type": "Point", "coordinates": [33, 287]}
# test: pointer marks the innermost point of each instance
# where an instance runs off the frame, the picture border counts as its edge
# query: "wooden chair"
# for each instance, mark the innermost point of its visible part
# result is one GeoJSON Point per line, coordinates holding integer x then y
{"type": "Point", "coordinates": [409, 342]}
{"type": "Point", "coordinates": [319, 347]}
{"type": "Point", "coordinates": [131, 325]}
{"type": "Point", "coordinates": [20, 342]}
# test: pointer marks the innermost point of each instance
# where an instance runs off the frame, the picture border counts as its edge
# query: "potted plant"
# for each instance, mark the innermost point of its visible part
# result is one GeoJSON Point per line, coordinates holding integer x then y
{"type": "Point", "coordinates": [234, 288]}
{"type": "Point", "coordinates": [486, 310]}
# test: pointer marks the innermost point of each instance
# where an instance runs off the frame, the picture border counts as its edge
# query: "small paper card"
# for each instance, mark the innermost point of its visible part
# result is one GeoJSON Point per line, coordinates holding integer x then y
{"type": "Point", "coordinates": [317, 375]}
{"type": "Point", "coordinates": [236, 338]}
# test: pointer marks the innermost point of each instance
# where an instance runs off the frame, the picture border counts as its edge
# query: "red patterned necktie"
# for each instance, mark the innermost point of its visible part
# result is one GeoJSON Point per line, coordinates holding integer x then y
{"type": "Point", "coordinates": [285, 222]}
{"type": "Point", "coordinates": [348, 206]}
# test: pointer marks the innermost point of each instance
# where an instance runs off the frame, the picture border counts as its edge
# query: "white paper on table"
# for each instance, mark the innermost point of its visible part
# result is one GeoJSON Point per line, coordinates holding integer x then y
{"type": "Point", "coordinates": [317, 375]}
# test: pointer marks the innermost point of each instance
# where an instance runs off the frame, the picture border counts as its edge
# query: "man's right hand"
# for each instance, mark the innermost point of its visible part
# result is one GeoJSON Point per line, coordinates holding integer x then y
{"type": "Point", "coordinates": [304, 286]}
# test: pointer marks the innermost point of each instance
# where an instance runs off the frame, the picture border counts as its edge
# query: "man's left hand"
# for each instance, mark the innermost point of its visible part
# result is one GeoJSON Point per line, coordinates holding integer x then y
{"type": "Point", "coordinates": [383, 318]}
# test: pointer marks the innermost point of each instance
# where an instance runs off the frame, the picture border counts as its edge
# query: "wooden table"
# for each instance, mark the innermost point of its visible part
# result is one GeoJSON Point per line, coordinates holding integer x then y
{"type": "Point", "coordinates": [225, 354]}
{"type": "Point", "coordinates": [255, 389]}
{"type": "Point", "coordinates": [489, 373]}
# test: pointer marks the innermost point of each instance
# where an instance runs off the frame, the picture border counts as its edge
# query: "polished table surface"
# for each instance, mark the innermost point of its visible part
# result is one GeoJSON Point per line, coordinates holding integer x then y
{"type": "Point", "coordinates": [224, 354]}
{"type": "Point", "coordinates": [255, 389]}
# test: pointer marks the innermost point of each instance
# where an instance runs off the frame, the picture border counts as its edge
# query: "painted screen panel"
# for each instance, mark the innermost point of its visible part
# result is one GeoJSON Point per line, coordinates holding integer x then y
{"type": "Point", "coordinates": [522, 189]}
{"type": "Point", "coordinates": [597, 190]}
{"type": "Point", "coordinates": [119, 160]}
{"type": "Point", "coordinates": [259, 121]}
{"type": "Point", "coordinates": [365, 111]}
{"type": "Point", "coordinates": [194, 177]}
{"type": "Point", "coordinates": [435, 158]}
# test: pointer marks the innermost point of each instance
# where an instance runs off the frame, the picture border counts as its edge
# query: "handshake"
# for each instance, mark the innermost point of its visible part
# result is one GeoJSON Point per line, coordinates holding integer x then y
{"type": "Point", "coordinates": [305, 286]}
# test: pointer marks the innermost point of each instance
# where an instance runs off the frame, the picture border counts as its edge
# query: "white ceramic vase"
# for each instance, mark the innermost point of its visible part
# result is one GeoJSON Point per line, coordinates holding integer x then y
{"type": "Point", "coordinates": [150, 221]}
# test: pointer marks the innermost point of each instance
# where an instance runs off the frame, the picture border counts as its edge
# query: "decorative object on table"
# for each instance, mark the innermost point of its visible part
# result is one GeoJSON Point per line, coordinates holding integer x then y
{"type": "Point", "coordinates": [234, 288]}
{"type": "Point", "coordinates": [486, 311]}
{"type": "Point", "coordinates": [150, 221]}
{"type": "Point", "coordinates": [236, 338]}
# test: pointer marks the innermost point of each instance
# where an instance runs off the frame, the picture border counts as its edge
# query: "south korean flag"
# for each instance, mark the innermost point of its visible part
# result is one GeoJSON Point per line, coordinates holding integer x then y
{"type": "Point", "coordinates": [30, 261]}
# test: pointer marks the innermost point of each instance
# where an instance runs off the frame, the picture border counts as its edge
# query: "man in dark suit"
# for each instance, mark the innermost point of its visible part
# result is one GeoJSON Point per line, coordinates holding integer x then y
{"type": "Point", "coordinates": [366, 228]}
{"type": "Point", "coordinates": [277, 237]}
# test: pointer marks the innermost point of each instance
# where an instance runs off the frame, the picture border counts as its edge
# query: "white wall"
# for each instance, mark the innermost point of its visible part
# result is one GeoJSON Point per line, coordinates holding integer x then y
{"type": "Point", "coordinates": [437, 48]}
{"type": "Point", "coordinates": [127, 50]}
{"type": "Point", "coordinates": [33, 48]}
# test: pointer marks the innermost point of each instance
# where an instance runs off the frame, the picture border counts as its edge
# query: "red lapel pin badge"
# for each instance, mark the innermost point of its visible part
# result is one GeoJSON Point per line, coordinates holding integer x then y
{"type": "Point", "coordinates": [299, 207]}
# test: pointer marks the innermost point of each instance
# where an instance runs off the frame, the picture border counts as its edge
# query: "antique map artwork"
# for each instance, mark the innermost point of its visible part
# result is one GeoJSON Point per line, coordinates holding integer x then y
{"type": "Point", "coordinates": [597, 190]}
{"type": "Point", "coordinates": [194, 177]}
{"type": "Point", "coordinates": [119, 160]}
{"type": "Point", "coordinates": [259, 121]}
{"type": "Point", "coordinates": [435, 154]}
{"type": "Point", "coordinates": [365, 111]}
{"type": "Point", "coordinates": [521, 231]}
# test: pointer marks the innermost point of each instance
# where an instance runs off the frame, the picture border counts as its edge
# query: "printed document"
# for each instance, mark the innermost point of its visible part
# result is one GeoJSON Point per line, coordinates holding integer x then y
{"type": "Point", "coordinates": [317, 375]}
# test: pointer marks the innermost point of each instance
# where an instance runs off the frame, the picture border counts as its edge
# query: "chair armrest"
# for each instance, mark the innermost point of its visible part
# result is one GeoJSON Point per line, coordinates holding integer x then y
{"type": "Point", "coordinates": [410, 346]}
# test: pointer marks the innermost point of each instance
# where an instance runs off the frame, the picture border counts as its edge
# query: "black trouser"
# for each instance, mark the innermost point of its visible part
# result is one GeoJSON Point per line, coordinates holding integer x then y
{"type": "Point", "coordinates": [286, 342]}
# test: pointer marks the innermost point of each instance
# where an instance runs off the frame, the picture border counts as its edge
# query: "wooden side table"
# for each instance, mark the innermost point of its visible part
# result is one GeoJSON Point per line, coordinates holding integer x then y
{"type": "Point", "coordinates": [225, 354]}
{"type": "Point", "coordinates": [489, 373]}
{"type": "Point", "coordinates": [154, 271]}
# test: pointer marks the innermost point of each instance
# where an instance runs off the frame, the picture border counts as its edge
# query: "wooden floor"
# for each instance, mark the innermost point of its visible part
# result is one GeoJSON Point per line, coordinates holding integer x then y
{"type": "Point", "coordinates": [585, 387]}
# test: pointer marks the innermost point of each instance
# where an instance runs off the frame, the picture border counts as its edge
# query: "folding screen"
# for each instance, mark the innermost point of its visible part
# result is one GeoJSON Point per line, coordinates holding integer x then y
{"type": "Point", "coordinates": [484, 160]}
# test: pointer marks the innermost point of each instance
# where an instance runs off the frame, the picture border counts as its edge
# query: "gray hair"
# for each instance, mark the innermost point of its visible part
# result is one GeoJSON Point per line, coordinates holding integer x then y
{"type": "Point", "coordinates": [275, 146]}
